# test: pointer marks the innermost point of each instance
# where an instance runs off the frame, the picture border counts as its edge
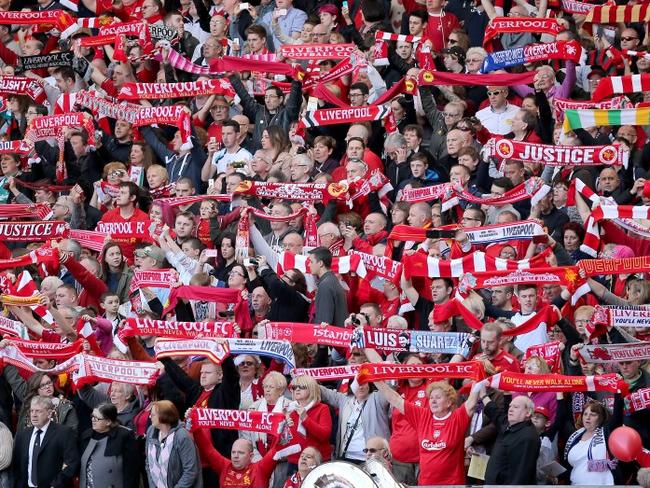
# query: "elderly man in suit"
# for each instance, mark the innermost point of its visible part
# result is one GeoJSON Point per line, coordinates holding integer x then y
{"type": "Point", "coordinates": [46, 454]}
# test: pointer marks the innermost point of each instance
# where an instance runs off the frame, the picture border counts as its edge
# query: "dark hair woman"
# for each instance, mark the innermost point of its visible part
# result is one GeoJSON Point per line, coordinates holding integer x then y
{"type": "Point", "coordinates": [110, 455]}
{"type": "Point", "coordinates": [115, 271]}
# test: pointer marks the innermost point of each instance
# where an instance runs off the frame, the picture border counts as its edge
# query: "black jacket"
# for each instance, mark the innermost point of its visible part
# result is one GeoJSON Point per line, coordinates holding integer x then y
{"type": "Point", "coordinates": [514, 457]}
{"type": "Point", "coordinates": [225, 395]}
{"type": "Point", "coordinates": [288, 305]}
{"type": "Point", "coordinates": [58, 449]}
{"type": "Point", "coordinates": [120, 442]}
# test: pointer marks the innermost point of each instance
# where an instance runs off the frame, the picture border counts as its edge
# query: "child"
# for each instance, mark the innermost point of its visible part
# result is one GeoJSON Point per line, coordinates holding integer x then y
{"type": "Point", "coordinates": [547, 453]}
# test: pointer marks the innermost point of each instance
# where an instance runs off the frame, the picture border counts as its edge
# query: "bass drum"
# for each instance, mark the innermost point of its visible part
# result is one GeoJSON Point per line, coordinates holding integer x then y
{"type": "Point", "coordinates": [380, 474]}
{"type": "Point", "coordinates": [338, 474]}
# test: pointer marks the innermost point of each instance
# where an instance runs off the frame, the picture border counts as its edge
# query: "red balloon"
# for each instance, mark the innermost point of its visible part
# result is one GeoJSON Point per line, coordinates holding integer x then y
{"type": "Point", "coordinates": [625, 444]}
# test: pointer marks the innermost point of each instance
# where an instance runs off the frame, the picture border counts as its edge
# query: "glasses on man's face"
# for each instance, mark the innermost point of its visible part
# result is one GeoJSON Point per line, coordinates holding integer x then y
{"type": "Point", "coordinates": [372, 450]}
{"type": "Point", "coordinates": [450, 114]}
{"type": "Point", "coordinates": [494, 93]}
{"type": "Point", "coordinates": [628, 38]}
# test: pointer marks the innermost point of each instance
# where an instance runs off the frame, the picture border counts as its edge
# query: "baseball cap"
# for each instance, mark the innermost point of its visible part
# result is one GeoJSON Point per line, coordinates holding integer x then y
{"type": "Point", "coordinates": [543, 411]}
{"type": "Point", "coordinates": [457, 51]}
{"type": "Point", "coordinates": [596, 70]}
{"type": "Point", "coordinates": [153, 252]}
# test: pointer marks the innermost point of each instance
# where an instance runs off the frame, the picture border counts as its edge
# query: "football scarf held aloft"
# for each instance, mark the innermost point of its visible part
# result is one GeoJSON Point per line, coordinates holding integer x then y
{"type": "Point", "coordinates": [517, 25]}
{"type": "Point", "coordinates": [426, 193]}
{"type": "Point", "coordinates": [317, 51]}
{"type": "Point", "coordinates": [488, 234]}
{"type": "Point", "coordinates": [575, 7]}
{"type": "Point", "coordinates": [56, 351]}
{"type": "Point", "coordinates": [531, 53]}
{"type": "Point", "coordinates": [93, 369]}
{"type": "Point", "coordinates": [21, 147]}
{"type": "Point", "coordinates": [13, 328]}
{"type": "Point", "coordinates": [615, 14]}
{"type": "Point", "coordinates": [596, 267]}
{"type": "Point", "coordinates": [299, 333]}
{"type": "Point", "coordinates": [161, 91]}
{"type": "Point", "coordinates": [421, 265]}
{"type": "Point", "coordinates": [12, 355]}
{"type": "Point", "coordinates": [90, 239]}
{"type": "Point", "coordinates": [537, 383]}
{"type": "Point", "coordinates": [33, 231]}
{"type": "Point", "coordinates": [562, 104]}
{"type": "Point", "coordinates": [546, 315]}
{"type": "Point", "coordinates": [340, 265]}
{"type": "Point", "coordinates": [370, 372]}
{"type": "Point", "coordinates": [638, 400]}
{"type": "Point", "coordinates": [396, 340]}
{"type": "Point", "coordinates": [270, 423]}
{"type": "Point", "coordinates": [330, 116]}
{"type": "Point", "coordinates": [305, 192]}
{"type": "Point", "coordinates": [585, 118]}
{"type": "Point", "coordinates": [22, 85]}
{"type": "Point", "coordinates": [591, 242]}
{"type": "Point", "coordinates": [619, 316]}
{"type": "Point", "coordinates": [209, 348]}
{"type": "Point", "coordinates": [22, 210]}
{"type": "Point", "coordinates": [437, 78]}
{"type": "Point", "coordinates": [43, 20]}
{"type": "Point", "coordinates": [533, 188]}
{"type": "Point", "coordinates": [549, 352]}
{"type": "Point", "coordinates": [380, 266]}
{"type": "Point", "coordinates": [329, 373]}
{"type": "Point", "coordinates": [280, 350]}
{"type": "Point", "coordinates": [551, 155]}
{"type": "Point", "coordinates": [27, 63]}
{"type": "Point", "coordinates": [153, 278]}
{"type": "Point", "coordinates": [136, 327]}
{"type": "Point", "coordinates": [621, 85]}
{"type": "Point", "coordinates": [614, 353]}
{"type": "Point", "coordinates": [561, 276]}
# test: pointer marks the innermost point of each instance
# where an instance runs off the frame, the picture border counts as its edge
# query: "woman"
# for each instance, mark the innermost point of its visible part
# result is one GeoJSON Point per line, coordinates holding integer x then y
{"type": "Point", "coordinates": [399, 213]}
{"type": "Point", "coordinates": [572, 236]}
{"type": "Point", "coordinates": [363, 414]}
{"type": "Point", "coordinates": [547, 399]}
{"type": "Point", "coordinates": [288, 293]}
{"type": "Point", "coordinates": [440, 430]}
{"type": "Point", "coordinates": [248, 367]}
{"type": "Point", "coordinates": [115, 271]}
{"type": "Point", "coordinates": [275, 140]}
{"type": "Point", "coordinates": [586, 450]}
{"type": "Point", "coordinates": [171, 456]}
{"type": "Point", "coordinates": [110, 455]}
{"type": "Point", "coordinates": [308, 419]}
{"type": "Point", "coordinates": [273, 400]}
{"type": "Point", "coordinates": [122, 395]}
{"type": "Point", "coordinates": [43, 385]}
{"type": "Point", "coordinates": [140, 159]}
{"type": "Point", "coordinates": [105, 190]}
{"type": "Point", "coordinates": [227, 258]}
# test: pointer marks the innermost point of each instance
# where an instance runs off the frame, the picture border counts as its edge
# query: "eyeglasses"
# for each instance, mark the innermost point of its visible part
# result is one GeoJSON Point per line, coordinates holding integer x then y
{"type": "Point", "coordinates": [494, 93]}
{"type": "Point", "coordinates": [270, 95]}
{"type": "Point", "coordinates": [449, 114]}
{"type": "Point", "coordinates": [247, 363]}
{"type": "Point", "coordinates": [297, 387]}
{"type": "Point", "coordinates": [470, 218]}
{"type": "Point", "coordinates": [373, 450]}
{"type": "Point", "coordinates": [628, 38]}
{"type": "Point", "coordinates": [318, 34]}
{"type": "Point", "coordinates": [236, 274]}
{"type": "Point", "coordinates": [97, 419]}
{"type": "Point", "coordinates": [116, 173]}
{"type": "Point", "coordinates": [45, 385]}
{"type": "Point", "coordinates": [220, 107]}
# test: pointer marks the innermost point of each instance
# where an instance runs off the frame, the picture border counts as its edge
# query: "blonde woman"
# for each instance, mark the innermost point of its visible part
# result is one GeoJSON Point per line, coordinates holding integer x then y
{"type": "Point", "coordinates": [547, 399]}
{"type": "Point", "coordinates": [309, 420]}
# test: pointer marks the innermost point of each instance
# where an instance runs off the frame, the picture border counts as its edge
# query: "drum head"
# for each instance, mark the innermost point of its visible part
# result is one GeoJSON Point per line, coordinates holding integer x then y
{"type": "Point", "coordinates": [338, 474]}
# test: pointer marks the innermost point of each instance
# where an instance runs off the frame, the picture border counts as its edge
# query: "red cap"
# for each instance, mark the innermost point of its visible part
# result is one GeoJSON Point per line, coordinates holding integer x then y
{"type": "Point", "coordinates": [544, 411]}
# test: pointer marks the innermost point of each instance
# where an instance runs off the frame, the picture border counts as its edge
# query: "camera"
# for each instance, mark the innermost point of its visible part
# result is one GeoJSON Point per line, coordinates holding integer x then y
{"type": "Point", "coordinates": [251, 262]}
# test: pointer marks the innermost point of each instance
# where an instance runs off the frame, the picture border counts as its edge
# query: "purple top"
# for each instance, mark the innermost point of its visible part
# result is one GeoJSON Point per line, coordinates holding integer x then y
{"type": "Point", "coordinates": [561, 91]}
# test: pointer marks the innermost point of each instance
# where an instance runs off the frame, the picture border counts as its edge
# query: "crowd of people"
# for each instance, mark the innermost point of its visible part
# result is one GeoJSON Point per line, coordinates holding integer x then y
{"type": "Point", "coordinates": [240, 240]}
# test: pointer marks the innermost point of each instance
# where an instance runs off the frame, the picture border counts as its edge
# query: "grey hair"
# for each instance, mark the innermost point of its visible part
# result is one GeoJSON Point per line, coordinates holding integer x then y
{"type": "Point", "coordinates": [43, 402]}
{"type": "Point", "coordinates": [395, 140]}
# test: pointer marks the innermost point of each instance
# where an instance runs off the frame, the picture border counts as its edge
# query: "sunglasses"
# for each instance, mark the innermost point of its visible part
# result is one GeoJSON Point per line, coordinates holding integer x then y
{"type": "Point", "coordinates": [494, 93]}
{"type": "Point", "coordinates": [247, 363]}
{"type": "Point", "coordinates": [297, 388]}
{"type": "Point", "coordinates": [628, 39]}
{"type": "Point", "coordinates": [372, 450]}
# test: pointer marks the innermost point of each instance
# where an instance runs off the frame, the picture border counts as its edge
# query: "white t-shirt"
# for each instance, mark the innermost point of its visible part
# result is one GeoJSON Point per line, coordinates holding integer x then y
{"type": "Point", "coordinates": [222, 159]}
{"type": "Point", "coordinates": [497, 123]}
{"type": "Point", "coordinates": [578, 457]}
{"type": "Point", "coordinates": [532, 338]}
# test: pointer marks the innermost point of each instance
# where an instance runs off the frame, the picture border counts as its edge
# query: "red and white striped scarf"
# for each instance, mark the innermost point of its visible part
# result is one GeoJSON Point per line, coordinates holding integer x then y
{"type": "Point", "coordinates": [25, 287]}
{"type": "Point", "coordinates": [609, 14]}
{"type": "Point", "coordinates": [341, 265]}
{"type": "Point", "coordinates": [90, 239]}
{"type": "Point", "coordinates": [92, 369]}
{"type": "Point", "coordinates": [214, 351]}
{"type": "Point", "coordinates": [562, 104]}
{"type": "Point", "coordinates": [614, 353]}
{"type": "Point", "coordinates": [537, 383]}
{"type": "Point", "coordinates": [576, 7]}
{"type": "Point", "coordinates": [621, 85]}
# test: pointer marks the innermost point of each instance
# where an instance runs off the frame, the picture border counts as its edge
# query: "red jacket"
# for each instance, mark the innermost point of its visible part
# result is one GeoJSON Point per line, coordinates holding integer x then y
{"type": "Point", "coordinates": [318, 428]}
{"type": "Point", "coordinates": [93, 287]}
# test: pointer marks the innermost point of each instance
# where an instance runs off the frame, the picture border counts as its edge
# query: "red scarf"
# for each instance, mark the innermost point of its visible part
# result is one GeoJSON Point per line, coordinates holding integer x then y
{"type": "Point", "coordinates": [305, 192]}
{"type": "Point", "coordinates": [614, 14]}
{"type": "Point", "coordinates": [621, 85]}
{"type": "Point", "coordinates": [25, 211]}
{"type": "Point", "coordinates": [316, 51]}
{"type": "Point", "coordinates": [33, 231]}
{"type": "Point", "coordinates": [48, 350]}
{"type": "Point", "coordinates": [153, 278]}
{"type": "Point", "coordinates": [330, 373]}
{"type": "Point", "coordinates": [299, 333]}
{"type": "Point", "coordinates": [502, 25]}
{"type": "Point", "coordinates": [215, 352]}
{"type": "Point", "coordinates": [249, 420]}
{"type": "Point", "coordinates": [370, 372]}
{"type": "Point", "coordinates": [136, 327]}
{"type": "Point", "coordinates": [331, 116]}
{"type": "Point", "coordinates": [437, 78]}
{"type": "Point", "coordinates": [639, 400]}
{"type": "Point", "coordinates": [93, 369]}
{"type": "Point", "coordinates": [539, 383]}
{"type": "Point", "coordinates": [614, 353]}
{"type": "Point", "coordinates": [161, 91]}
{"type": "Point", "coordinates": [563, 276]}
{"type": "Point", "coordinates": [90, 239]}
{"type": "Point", "coordinates": [549, 352]}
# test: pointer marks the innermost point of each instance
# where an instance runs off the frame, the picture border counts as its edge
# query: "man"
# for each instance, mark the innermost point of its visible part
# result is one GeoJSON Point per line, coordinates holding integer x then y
{"type": "Point", "coordinates": [301, 168]}
{"type": "Point", "coordinates": [261, 165]}
{"type": "Point", "coordinates": [329, 236]}
{"type": "Point", "coordinates": [66, 295]}
{"type": "Point", "coordinates": [290, 21]}
{"type": "Point", "coordinates": [278, 228]}
{"type": "Point", "coordinates": [374, 235]}
{"type": "Point", "coordinates": [492, 351]}
{"type": "Point", "coordinates": [331, 305]}
{"type": "Point", "coordinates": [553, 218]}
{"type": "Point", "coordinates": [441, 290]}
{"type": "Point", "coordinates": [184, 227]}
{"type": "Point", "coordinates": [456, 139]}
{"type": "Point", "coordinates": [527, 296]}
{"type": "Point", "coordinates": [378, 448]}
{"type": "Point", "coordinates": [523, 126]}
{"type": "Point", "coordinates": [609, 185]}
{"type": "Point", "coordinates": [231, 155]}
{"type": "Point", "coordinates": [126, 223]}
{"type": "Point", "coordinates": [239, 471]}
{"type": "Point", "coordinates": [44, 455]}
{"type": "Point", "coordinates": [256, 40]}
{"type": "Point", "coordinates": [274, 111]}
{"type": "Point", "coordinates": [502, 297]}
{"type": "Point", "coordinates": [260, 304]}
{"type": "Point", "coordinates": [420, 215]}
{"type": "Point", "coordinates": [118, 147]}
{"type": "Point", "coordinates": [397, 152]}
{"type": "Point", "coordinates": [149, 257]}
{"type": "Point", "coordinates": [497, 116]}
{"type": "Point", "coordinates": [513, 460]}
{"type": "Point", "coordinates": [373, 314]}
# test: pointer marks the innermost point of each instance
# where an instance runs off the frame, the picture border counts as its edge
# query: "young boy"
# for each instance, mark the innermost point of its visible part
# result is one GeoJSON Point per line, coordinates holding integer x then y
{"type": "Point", "coordinates": [547, 451]}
